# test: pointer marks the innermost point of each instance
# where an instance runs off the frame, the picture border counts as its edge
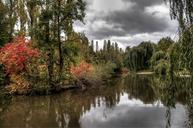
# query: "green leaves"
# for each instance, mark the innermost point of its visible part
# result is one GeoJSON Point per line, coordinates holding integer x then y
{"type": "Point", "coordinates": [165, 43]}
{"type": "Point", "coordinates": [137, 58]}
{"type": "Point", "coordinates": [4, 35]}
{"type": "Point", "coordinates": [182, 10]}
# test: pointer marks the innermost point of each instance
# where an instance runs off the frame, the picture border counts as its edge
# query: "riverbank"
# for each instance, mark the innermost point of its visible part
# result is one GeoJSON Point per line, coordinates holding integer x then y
{"type": "Point", "coordinates": [24, 87]}
{"type": "Point", "coordinates": [81, 83]}
{"type": "Point", "coordinates": [145, 73]}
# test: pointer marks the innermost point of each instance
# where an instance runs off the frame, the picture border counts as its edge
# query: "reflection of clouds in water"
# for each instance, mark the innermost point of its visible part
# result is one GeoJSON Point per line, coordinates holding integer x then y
{"type": "Point", "coordinates": [177, 116]}
{"type": "Point", "coordinates": [131, 113]}
{"type": "Point", "coordinates": [136, 103]}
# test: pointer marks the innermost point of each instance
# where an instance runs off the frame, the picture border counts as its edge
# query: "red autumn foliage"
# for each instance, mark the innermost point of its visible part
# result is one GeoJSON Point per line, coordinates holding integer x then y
{"type": "Point", "coordinates": [82, 69]}
{"type": "Point", "coordinates": [17, 54]}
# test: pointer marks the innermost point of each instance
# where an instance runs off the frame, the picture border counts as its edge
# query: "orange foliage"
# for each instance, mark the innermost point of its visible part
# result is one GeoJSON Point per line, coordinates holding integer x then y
{"type": "Point", "coordinates": [82, 69]}
{"type": "Point", "coordinates": [18, 84]}
{"type": "Point", "coordinates": [17, 54]}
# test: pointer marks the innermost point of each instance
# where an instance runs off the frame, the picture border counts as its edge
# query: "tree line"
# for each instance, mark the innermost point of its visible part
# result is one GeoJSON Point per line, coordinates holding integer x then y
{"type": "Point", "coordinates": [47, 26]}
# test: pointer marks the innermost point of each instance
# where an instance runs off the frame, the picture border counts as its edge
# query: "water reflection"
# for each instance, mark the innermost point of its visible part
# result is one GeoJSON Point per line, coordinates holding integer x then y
{"type": "Point", "coordinates": [131, 102]}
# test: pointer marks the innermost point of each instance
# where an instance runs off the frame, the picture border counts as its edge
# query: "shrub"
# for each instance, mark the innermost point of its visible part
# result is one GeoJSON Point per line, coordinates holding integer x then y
{"type": "Point", "coordinates": [18, 85]}
{"type": "Point", "coordinates": [16, 55]}
{"type": "Point", "coordinates": [82, 69]}
{"type": "Point", "coordinates": [18, 58]}
{"type": "Point", "coordinates": [103, 71]}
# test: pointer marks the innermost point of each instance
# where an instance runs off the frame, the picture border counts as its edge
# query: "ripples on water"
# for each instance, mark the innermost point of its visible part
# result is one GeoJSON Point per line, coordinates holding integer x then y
{"type": "Point", "coordinates": [131, 102]}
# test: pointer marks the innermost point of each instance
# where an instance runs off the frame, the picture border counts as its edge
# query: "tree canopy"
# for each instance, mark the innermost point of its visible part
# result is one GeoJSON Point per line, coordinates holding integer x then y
{"type": "Point", "coordinates": [182, 10]}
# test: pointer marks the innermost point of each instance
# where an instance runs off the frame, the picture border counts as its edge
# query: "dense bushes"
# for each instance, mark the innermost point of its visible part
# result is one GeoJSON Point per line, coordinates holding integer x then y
{"type": "Point", "coordinates": [81, 69]}
{"type": "Point", "coordinates": [93, 74]}
{"type": "Point", "coordinates": [3, 78]}
{"type": "Point", "coordinates": [18, 57]}
{"type": "Point", "coordinates": [104, 71]}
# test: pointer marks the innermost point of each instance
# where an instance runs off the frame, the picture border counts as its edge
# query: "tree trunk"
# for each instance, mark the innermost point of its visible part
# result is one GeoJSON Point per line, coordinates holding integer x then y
{"type": "Point", "coordinates": [50, 66]}
{"type": "Point", "coordinates": [11, 24]}
{"type": "Point", "coordinates": [59, 42]}
{"type": "Point", "coordinates": [50, 54]}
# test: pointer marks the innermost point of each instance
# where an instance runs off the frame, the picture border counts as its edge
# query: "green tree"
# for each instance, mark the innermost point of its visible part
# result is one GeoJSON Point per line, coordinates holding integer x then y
{"type": "Point", "coordinates": [163, 56]}
{"type": "Point", "coordinates": [160, 62]}
{"type": "Point", "coordinates": [4, 35]}
{"type": "Point", "coordinates": [97, 46]}
{"type": "Point", "coordinates": [165, 43]}
{"type": "Point", "coordinates": [92, 46]}
{"type": "Point", "coordinates": [182, 10]}
{"type": "Point", "coordinates": [138, 58]}
{"type": "Point", "coordinates": [55, 18]}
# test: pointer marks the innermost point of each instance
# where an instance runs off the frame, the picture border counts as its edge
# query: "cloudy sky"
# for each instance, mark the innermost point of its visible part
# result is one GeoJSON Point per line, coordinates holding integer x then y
{"type": "Point", "coordinates": [127, 22]}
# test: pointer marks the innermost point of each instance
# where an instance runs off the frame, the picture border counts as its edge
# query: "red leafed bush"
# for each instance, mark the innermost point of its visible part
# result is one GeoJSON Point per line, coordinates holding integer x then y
{"type": "Point", "coordinates": [17, 54]}
{"type": "Point", "coordinates": [82, 69]}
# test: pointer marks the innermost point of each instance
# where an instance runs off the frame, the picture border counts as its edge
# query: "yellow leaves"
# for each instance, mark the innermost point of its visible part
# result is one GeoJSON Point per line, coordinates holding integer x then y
{"type": "Point", "coordinates": [18, 84]}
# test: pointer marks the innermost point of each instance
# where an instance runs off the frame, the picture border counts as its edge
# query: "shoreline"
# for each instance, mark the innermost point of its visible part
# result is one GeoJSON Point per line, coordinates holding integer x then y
{"type": "Point", "coordinates": [145, 73]}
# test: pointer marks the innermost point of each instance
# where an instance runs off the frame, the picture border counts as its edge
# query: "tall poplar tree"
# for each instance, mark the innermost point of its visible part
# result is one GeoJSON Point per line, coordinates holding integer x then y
{"type": "Point", "coordinates": [4, 35]}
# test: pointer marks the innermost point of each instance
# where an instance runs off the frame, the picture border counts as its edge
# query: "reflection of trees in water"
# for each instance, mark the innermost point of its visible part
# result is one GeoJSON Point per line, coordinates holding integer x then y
{"type": "Point", "coordinates": [189, 122]}
{"type": "Point", "coordinates": [64, 110]}
{"type": "Point", "coordinates": [169, 99]}
{"type": "Point", "coordinates": [176, 90]}
{"type": "Point", "coordinates": [139, 87]}
{"type": "Point", "coordinates": [168, 91]}
{"type": "Point", "coordinates": [187, 86]}
{"type": "Point", "coordinates": [4, 102]}
{"type": "Point", "coordinates": [190, 113]}
{"type": "Point", "coordinates": [151, 89]}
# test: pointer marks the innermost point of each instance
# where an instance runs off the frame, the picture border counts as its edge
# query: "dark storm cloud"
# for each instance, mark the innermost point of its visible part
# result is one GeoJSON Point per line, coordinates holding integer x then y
{"type": "Point", "coordinates": [106, 32]}
{"type": "Point", "coordinates": [136, 21]}
{"type": "Point", "coordinates": [127, 22]}
{"type": "Point", "coordinates": [131, 20]}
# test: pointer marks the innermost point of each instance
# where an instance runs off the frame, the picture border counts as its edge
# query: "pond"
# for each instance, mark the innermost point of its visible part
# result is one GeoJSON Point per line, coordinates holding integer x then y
{"type": "Point", "coordinates": [130, 102]}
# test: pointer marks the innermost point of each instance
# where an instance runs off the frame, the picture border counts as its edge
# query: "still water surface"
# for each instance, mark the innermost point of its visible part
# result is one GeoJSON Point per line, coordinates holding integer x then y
{"type": "Point", "coordinates": [131, 102]}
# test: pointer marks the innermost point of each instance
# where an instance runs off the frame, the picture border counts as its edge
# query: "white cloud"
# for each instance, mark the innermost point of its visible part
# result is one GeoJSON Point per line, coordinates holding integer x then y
{"type": "Point", "coordinates": [109, 5]}
{"type": "Point", "coordinates": [158, 10]}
